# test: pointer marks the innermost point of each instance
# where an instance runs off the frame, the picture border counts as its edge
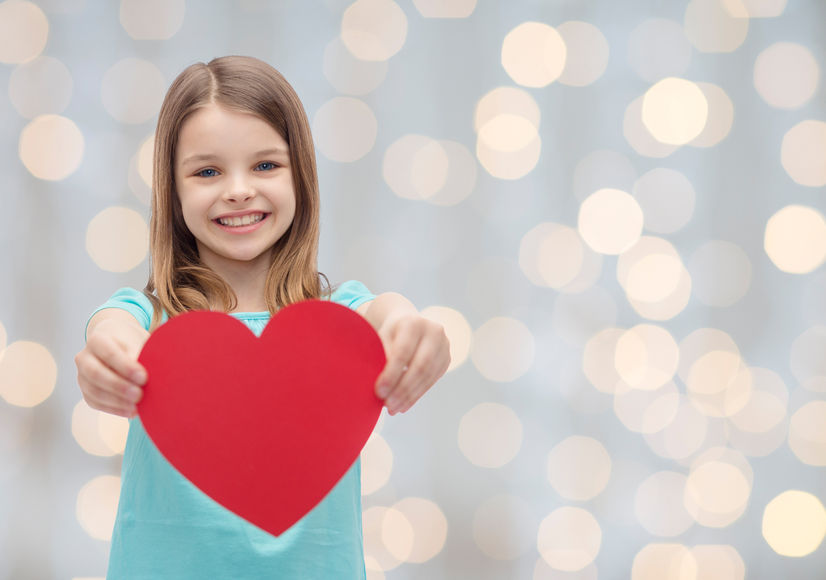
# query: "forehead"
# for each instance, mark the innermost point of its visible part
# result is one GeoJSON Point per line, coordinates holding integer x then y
{"type": "Point", "coordinates": [215, 129]}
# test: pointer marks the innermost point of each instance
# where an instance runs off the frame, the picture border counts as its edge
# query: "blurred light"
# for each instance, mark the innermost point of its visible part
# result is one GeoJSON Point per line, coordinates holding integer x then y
{"type": "Point", "coordinates": [551, 255]}
{"type": "Point", "coordinates": [86, 431]}
{"type": "Point", "coordinates": [638, 135]}
{"type": "Point", "coordinates": [803, 151]}
{"type": "Point", "coordinates": [683, 436]}
{"type": "Point", "coordinates": [445, 8]}
{"type": "Point", "coordinates": [428, 525]}
{"type": "Point", "coordinates": [51, 147]}
{"type": "Point", "coordinates": [720, 273]}
{"type": "Point", "coordinates": [348, 74]}
{"type": "Point", "coordinates": [415, 167]}
{"type": "Point", "coordinates": [507, 132]}
{"type": "Point", "coordinates": [665, 562]}
{"type": "Point", "coordinates": [794, 523]}
{"type": "Point", "coordinates": [373, 520]}
{"type": "Point", "coordinates": [586, 56]}
{"type": "Point", "coordinates": [754, 8]}
{"type": "Point", "coordinates": [132, 90]}
{"type": "Point", "coordinates": [653, 278]}
{"type": "Point", "coordinates": [345, 129]}
{"type": "Point", "coordinates": [658, 504]}
{"type": "Point", "coordinates": [461, 175]}
{"type": "Point", "coordinates": [754, 443]}
{"type": "Point", "coordinates": [716, 493]}
{"type": "Point", "coordinates": [145, 159]}
{"type": "Point", "coordinates": [97, 506]}
{"type": "Point", "coordinates": [533, 54]}
{"type": "Point", "coordinates": [579, 468]}
{"type": "Point", "coordinates": [497, 142]}
{"type": "Point", "coordinates": [658, 48]}
{"type": "Point", "coordinates": [807, 433]}
{"type": "Point", "coordinates": [376, 464]}
{"type": "Point", "coordinates": [795, 239]}
{"type": "Point", "coordinates": [373, 29]}
{"type": "Point", "coordinates": [603, 169]}
{"type": "Point", "coordinates": [490, 435]}
{"type": "Point", "coordinates": [506, 101]}
{"type": "Point", "coordinates": [24, 31]}
{"type": "Point", "coordinates": [701, 342]}
{"type": "Point", "coordinates": [786, 75]}
{"type": "Point", "coordinates": [152, 19]}
{"type": "Point", "coordinates": [718, 562]}
{"type": "Point", "coordinates": [673, 284]}
{"type": "Point", "coordinates": [397, 534]}
{"type": "Point", "coordinates": [542, 571]}
{"type": "Point", "coordinates": [646, 357]}
{"type": "Point", "coordinates": [503, 349]}
{"type": "Point", "coordinates": [807, 361]}
{"type": "Point", "coordinates": [710, 28]}
{"type": "Point", "coordinates": [666, 197]}
{"type": "Point", "coordinates": [3, 338]}
{"type": "Point", "coordinates": [28, 373]}
{"type": "Point", "coordinates": [117, 239]}
{"type": "Point", "coordinates": [766, 407]}
{"type": "Point", "coordinates": [713, 372]}
{"type": "Point", "coordinates": [730, 396]}
{"type": "Point", "coordinates": [598, 357]}
{"type": "Point", "coordinates": [457, 329]}
{"type": "Point", "coordinates": [674, 111]}
{"type": "Point", "coordinates": [40, 86]}
{"type": "Point", "coordinates": [509, 165]}
{"type": "Point", "coordinates": [504, 527]}
{"type": "Point", "coordinates": [646, 411]}
{"type": "Point", "coordinates": [569, 539]}
{"type": "Point", "coordinates": [113, 431]}
{"type": "Point", "coordinates": [720, 116]}
{"type": "Point", "coordinates": [373, 569]}
{"type": "Point", "coordinates": [610, 221]}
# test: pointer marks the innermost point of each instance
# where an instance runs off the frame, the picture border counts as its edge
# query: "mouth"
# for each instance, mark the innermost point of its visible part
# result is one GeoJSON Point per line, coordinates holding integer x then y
{"type": "Point", "coordinates": [240, 221]}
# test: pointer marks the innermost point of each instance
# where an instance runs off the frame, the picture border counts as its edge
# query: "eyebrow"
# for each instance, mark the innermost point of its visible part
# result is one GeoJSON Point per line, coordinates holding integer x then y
{"type": "Point", "coordinates": [210, 157]}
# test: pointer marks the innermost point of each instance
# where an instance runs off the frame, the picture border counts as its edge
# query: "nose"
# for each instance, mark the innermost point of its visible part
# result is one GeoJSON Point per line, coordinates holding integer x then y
{"type": "Point", "coordinates": [239, 191]}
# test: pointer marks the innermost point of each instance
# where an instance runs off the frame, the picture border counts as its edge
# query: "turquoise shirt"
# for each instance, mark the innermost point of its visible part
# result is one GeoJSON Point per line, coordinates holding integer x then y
{"type": "Point", "coordinates": [166, 528]}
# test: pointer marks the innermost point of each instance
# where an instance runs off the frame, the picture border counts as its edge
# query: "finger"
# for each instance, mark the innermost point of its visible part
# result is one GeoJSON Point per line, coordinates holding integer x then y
{"type": "Point", "coordinates": [105, 385]}
{"type": "Point", "coordinates": [429, 365]}
{"type": "Point", "coordinates": [397, 365]}
{"type": "Point", "coordinates": [118, 359]}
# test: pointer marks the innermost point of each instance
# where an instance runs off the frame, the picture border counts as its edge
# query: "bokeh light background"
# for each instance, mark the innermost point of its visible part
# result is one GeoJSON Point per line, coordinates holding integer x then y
{"type": "Point", "coordinates": [615, 208]}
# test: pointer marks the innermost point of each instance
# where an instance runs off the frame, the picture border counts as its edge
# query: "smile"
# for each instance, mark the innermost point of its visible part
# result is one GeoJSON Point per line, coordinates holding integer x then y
{"type": "Point", "coordinates": [238, 221]}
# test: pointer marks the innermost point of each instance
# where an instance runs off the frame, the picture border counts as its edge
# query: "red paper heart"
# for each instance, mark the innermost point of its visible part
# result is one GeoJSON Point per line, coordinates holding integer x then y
{"type": "Point", "coordinates": [264, 426]}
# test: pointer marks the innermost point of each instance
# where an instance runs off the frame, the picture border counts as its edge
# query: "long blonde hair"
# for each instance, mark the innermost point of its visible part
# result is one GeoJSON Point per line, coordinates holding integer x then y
{"type": "Point", "coordinates": [179, 281]}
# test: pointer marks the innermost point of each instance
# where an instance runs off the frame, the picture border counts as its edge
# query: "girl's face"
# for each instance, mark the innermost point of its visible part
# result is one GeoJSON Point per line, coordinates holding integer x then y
{"type": "Point", "coordinates": [234, 182]}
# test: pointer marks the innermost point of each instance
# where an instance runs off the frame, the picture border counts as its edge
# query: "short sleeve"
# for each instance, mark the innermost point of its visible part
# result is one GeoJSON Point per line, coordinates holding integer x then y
{"type": "Point", "coordinates": [133, 301]}
{"type": "Point", "coordinates": [352, 294]}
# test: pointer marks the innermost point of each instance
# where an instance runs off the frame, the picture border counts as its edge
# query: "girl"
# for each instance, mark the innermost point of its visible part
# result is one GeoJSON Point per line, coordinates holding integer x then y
{"type": "Point", "coordinates": [234, 227]}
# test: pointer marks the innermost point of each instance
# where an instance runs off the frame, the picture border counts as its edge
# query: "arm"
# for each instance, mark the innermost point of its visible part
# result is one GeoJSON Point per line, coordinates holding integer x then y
{"type": "Point", "coordinates": [108, 371]}
{"type": "Point", "coordinates": [417, 349]}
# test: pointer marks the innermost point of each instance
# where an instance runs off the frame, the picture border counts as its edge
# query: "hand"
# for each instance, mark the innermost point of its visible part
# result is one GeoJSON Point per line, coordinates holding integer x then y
{"type": "Point", "coordinates": [108, 371]}
{"type": "Point", "coordinates": [418, 354]}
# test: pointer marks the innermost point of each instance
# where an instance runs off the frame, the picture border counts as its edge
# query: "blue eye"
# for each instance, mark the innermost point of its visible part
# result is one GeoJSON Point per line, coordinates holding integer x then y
{"type": "Point", "coordinates": [265, 166]}
{"type": "Point", "coordinates": [207, 173]}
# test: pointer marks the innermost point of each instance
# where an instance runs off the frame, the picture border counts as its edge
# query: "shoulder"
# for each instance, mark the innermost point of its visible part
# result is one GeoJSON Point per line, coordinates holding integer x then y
{"type": "Point", "coordinates": [134, 302]}
{"type": "Point", "coordinates": [351, 294]}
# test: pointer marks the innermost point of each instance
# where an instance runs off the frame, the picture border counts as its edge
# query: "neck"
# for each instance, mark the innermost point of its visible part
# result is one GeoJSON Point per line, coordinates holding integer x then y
{"type": "Point", "coordinates": [248, 282]}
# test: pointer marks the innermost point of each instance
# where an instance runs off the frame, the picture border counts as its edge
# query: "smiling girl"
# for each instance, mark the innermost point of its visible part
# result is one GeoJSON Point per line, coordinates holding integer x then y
{"type": "Point", "coordinates": [234, 228]}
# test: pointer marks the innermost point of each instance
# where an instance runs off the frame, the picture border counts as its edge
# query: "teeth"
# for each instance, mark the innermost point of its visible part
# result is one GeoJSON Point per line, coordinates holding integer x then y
{"type": "Point", "coordinates": [242, 220]}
